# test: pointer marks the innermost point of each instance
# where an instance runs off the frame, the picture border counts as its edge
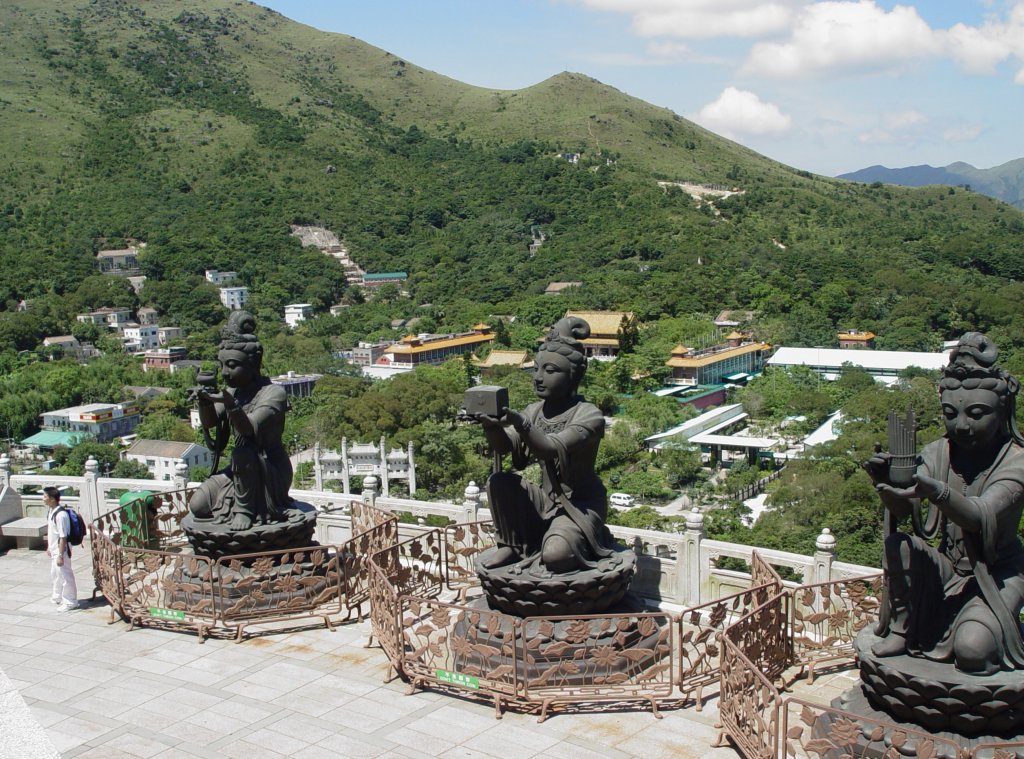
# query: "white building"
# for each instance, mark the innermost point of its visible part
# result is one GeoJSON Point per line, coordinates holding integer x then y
{"type": "Point", "coordinates": [140, 337]}
{"type": "Point", "coordinates": [297, 312]}
{"type": "Point", "coordinates": [362, 459]}
{"type": "Point", "coordinates": [161, 456]}
{"type": "Point", "coordinates": [234, 297]}
{"type": "Point", "coordinates": [167, 335]}
{"type": "Point", "coordinates": [219, 278]}
{"type": "Point", "coordinates": [884, 366]}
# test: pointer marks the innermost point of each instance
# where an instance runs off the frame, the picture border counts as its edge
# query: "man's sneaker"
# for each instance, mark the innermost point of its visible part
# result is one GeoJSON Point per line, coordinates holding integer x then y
{"type": "Point", "coordinates": [68, 607]}
{"type": "Point", "coordinates": [56, 600]}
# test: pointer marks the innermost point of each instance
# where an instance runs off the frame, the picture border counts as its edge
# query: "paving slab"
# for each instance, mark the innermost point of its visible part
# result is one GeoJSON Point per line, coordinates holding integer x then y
{"type": "Point", "coordinates": [85, 688]}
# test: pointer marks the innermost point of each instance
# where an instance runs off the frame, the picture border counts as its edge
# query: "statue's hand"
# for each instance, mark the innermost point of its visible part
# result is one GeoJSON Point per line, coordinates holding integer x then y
{"type": "Point", "coordinates": [487, 422]}
{"type": "Point", "coordinates": [877, 466]}
{"type": "Point", "coordinates": [929, 487]}
{"type": "Point", "coordinates": [517, 420]}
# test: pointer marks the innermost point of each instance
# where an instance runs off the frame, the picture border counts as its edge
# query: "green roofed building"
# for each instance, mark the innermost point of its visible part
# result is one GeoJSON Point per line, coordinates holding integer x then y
{"type": "Point", "coordinates": [50, 439]}
{"type": "Point", "coordinates": [385, 278]}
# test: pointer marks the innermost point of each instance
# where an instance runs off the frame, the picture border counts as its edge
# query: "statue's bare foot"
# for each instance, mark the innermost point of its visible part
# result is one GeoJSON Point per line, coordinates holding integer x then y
{"type": "Point", "coordinates": [241, 522]}
{"type": "Point", "coordinates": [502, 556]}
{"type": "Point", "coordinates": [893, 644]}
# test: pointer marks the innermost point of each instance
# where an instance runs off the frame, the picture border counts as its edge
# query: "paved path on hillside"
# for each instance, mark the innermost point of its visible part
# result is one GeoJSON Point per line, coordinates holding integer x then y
{"type": "Point", "coordinates": [98, 690]}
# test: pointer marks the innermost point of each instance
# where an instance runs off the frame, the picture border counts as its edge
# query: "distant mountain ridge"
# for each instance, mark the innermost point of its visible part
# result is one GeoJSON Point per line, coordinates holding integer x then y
{"type": "Point", "coordinates": [1004, 182]}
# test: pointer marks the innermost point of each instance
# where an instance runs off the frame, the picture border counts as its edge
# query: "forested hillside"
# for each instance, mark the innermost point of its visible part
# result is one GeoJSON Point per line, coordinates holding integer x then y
{"type": "Point", "coordinates": [206, 129]}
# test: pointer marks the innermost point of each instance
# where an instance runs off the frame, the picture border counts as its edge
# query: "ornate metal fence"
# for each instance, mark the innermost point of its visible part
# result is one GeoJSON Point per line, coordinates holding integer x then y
{"type": "Point", "coordinates": [700, 630]}
{"type": "Point", "coordinates": [600, 657]}
{"type": "Point", "coordinates": [142, 566]}
{"type": "Point", "coordinates": [749, 705]}
{"type": "Point", "coordinates": [826, 618]}
{"type": "Point", "coordinates": [814, 730]}
{"type": "Point", "coordinates": [462, 544]}
{"type": "Point", "coordinates": [454, 646]}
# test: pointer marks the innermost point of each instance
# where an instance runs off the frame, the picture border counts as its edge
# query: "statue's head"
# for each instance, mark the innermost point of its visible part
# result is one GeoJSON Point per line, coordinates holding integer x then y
{"type": "Point", "coordinates": [978, 397]}
{"type": "Point", "coordinates": [241, 353]}
{"type": "Point", "coordinates": [561, 360]}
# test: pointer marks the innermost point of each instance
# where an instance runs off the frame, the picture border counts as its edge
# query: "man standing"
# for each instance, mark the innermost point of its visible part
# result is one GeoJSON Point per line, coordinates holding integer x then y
{"type": "Point", "coordinates": [65, 589]}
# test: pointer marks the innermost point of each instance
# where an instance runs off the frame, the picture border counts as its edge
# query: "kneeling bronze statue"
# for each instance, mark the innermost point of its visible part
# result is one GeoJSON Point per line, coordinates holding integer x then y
{"type": "Point", "coordinates": [555, 554]}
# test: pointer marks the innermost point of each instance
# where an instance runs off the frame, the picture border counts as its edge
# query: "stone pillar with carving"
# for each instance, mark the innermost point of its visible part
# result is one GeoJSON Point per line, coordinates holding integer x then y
{"type": "Point", "coordinates": [824, 555]}
{"type": "Point", "coordinates": [470, 503]}
{"type": "Point", "coordinates": [91, 500]}
{"type": "Point", "coordinates": [345, 487]}
{"type": "Point", "coordinates": [386, 490]}
{"type": "Point", "coordinates": [412, 472]}
{"type": "Point", "coordinates": [370, 490]}
{"type": "Point", "coordinates": [690, 577]}
{"type": "Point", "coordinates": [318, 468]}
{"type": "Point", "coordinates": [181, 475]}
{"type": "Point", "coordinates": [5, 471]}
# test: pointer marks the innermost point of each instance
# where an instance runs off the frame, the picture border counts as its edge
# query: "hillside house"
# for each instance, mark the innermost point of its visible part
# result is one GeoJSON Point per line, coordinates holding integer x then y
{"type": "Point", "coordinates": [297, 385]}
{"type": "Point", "coordinates": [64, 345]}
{"type": "Point", "coordinates": [384, 278]}
{"type": "Point", "coordinates": [219, 278]}
{"type": "Point", "coordinates": [556, 288]}
{"type": "Point", "coordinates": [167, 335]}
{"type": "Point", "coordinates": [160, 359]}
{"type": "Point", "coordinates": [119, 263]}
{"type": "Point", "coordinates": [416, 350]}
{"type": "Point", "coordinates": [139, 337]}
{"type": "Point", "coordinates": [733, 362]}
{"type": "Point", "coordinates": [101, 421]}
{"type": "Point", "coordinates": [146, 316]}
{"type": "Point", "coordinates": [517, 359]}
{"type": "Point", "coordinates": [605, 327]}
{"type": "Point", "coordinates": [856, 339]}
{"type": "Point", "coordinates": [884, 366]}
{"type": "Point", "coordinates": [160, 457]}
{"type": "Point", "coordinates": [234, 298]}
{"type": "Point", "coordinates": [297, 312]}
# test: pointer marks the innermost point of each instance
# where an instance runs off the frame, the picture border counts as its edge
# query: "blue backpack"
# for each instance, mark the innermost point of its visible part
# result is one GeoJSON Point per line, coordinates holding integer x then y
{"type": "Point", "coordinates": [76, 526]}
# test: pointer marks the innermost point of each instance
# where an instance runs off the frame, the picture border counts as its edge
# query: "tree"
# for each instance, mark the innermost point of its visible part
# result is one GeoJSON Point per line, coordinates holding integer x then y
{"type": "Point", "coordinates": [131, 469]}
{"type": "Point", "coordinates": [164, 426]}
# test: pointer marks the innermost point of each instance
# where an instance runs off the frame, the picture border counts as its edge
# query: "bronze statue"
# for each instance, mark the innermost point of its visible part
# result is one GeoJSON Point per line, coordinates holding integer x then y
{"type": "Point", "coordinates": [959, 601]}
{"type": "Point", "coordinates": [555, 530]}
{"type": "Point", "coordinates": [249, 497]}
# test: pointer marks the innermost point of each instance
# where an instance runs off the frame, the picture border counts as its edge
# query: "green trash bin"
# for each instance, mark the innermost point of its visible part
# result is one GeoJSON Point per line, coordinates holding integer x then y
{"type": "Point", "coordinates": [136, 518]}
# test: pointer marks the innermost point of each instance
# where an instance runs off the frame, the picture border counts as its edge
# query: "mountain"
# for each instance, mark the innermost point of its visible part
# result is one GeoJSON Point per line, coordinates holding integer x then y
{"type": "Point", "coordinates": [1004, 182]}
{"type": "Point", "coordinates": [207, 129]}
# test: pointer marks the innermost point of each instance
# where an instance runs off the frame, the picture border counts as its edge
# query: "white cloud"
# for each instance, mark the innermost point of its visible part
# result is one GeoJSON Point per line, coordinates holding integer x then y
{"type": "Point", "coordinates": [904, 119]}
{"type": "Point", "coordinates": [903, 127]}
{"type": "Point", "coordinates": [668, 51]}
{"type": "Point", "coordinates": [738, 112]}
{"type": "Point", "coordinates": [842, 35]}
{"type": "Point", "coordinates": [702, 18]}
{"type": "Point", "coordinates": [966, 133]}
{"type": "Point", "coordinates": [807, 38]}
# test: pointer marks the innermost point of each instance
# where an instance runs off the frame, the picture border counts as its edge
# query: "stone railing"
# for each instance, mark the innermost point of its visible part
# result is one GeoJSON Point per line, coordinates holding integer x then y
{"type": "Point", "coordinates": [680, 569]}
{"type": "Point", "coordinates": [93, 495]}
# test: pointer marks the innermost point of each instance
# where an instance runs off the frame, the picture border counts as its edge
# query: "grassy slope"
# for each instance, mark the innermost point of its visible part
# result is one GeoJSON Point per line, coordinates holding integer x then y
{"type": "Point", "coordinates": [123, 127]}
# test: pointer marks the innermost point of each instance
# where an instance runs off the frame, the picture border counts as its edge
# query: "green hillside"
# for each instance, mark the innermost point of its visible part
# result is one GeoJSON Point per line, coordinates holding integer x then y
{"type": "Point", "coordinates": [206, 129]}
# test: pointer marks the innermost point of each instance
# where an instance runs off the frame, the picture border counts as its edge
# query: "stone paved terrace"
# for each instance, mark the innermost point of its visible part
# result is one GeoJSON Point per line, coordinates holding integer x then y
{"type": "Point", "coordinates": [72, 685]}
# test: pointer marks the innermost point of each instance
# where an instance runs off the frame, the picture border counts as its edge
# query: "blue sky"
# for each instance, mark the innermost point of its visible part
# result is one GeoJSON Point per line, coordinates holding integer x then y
{"type": "Point", "coordinates": [824, 85]}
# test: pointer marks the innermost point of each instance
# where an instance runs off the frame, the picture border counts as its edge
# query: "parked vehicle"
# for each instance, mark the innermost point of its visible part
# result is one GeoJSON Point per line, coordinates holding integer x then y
{"type": "Point", "coordinates": [621, 499]}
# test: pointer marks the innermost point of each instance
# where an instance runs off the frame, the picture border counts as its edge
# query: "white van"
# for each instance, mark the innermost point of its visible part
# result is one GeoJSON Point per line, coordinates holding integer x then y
{"type": "Point", "coordinates": [621, 499]}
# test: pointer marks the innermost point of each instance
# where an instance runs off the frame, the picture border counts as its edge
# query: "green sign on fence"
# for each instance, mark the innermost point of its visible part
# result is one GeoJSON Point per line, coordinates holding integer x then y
{"type": "Point", "coordinates": [455, 678]}
{"type": "Point", "coordinates": [166, 613]}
